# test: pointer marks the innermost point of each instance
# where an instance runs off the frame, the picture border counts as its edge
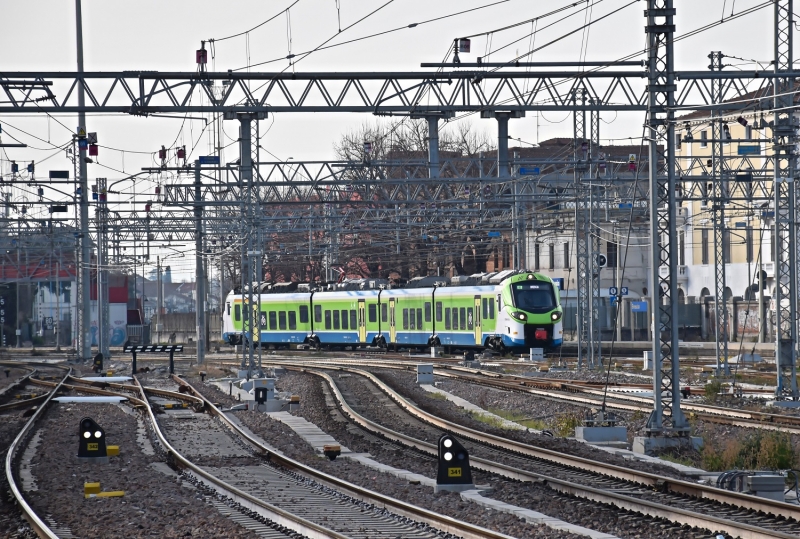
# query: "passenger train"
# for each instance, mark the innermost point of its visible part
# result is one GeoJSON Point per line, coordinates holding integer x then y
{"type": "Point", "coordinates": [508, 311]}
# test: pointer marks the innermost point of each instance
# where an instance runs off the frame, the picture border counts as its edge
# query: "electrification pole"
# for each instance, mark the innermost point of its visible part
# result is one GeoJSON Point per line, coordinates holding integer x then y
{"type": "Point", "coordinates": [199, 274]}
{"type": "Point", "coordinates": [84, 315]}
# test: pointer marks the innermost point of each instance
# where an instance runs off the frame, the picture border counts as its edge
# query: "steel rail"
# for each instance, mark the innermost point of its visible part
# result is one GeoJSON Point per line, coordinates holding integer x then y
{"type": "Point", "coordinates": [653, 509]}
{"type": "Point", "coordinates": [675, 486]}
{"type": "Point", "coordinates": [441, 522]}
{"type": "Point", "coordinates": [38, 525]}
{"type": "Point", "coordinates": [713, 414]}
{"type": "Point", "coordinates": [278, 515]}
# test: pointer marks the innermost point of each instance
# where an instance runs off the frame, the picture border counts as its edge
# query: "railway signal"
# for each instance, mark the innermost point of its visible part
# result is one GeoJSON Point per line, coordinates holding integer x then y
{"type": "Point", "coordinates": [92, 441]}
{"type": "Point", "coordinates": [454, 472]}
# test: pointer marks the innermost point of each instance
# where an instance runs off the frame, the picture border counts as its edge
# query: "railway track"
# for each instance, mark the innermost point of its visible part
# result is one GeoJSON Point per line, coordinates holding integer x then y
{"type": "Point", "coordinates": [582, 393]}
{"type": "Point", "coordinates": [678, 501]}
{"type": "Point", "coordinates": [38, 524]}
{"type": "Point", "coordinates": [360, 512]}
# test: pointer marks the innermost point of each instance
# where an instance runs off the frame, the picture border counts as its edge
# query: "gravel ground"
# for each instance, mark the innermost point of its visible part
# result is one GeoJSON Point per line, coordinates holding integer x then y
{"type": "Point", "coordinates": [536, 497]}
{"type": "Point", "coordinates": [154, 504]}
{"type": "Point", "coordinates": [11, 521]}
{"type": "Point", "coordinates": [9, 375]}
{"type": "Point", "coordinates": [314, 410]}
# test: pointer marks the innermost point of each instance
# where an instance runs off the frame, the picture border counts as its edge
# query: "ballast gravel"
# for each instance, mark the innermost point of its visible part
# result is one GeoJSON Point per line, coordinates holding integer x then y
{"type": "Point", "coordinates": [154, 504]}
{"type": "Point", "coordinates": [532, 496]}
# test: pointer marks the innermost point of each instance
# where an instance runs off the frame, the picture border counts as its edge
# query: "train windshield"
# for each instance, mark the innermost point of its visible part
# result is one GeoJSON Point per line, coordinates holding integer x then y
{"type": "Point", "coordinates": [534, 297]}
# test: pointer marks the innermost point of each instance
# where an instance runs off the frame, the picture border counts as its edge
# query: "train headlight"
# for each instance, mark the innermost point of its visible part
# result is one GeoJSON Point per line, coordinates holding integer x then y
{"type": "Point", "coordinates": [556, 316]}
{"type": "Point", "coordinates": [519, 315]}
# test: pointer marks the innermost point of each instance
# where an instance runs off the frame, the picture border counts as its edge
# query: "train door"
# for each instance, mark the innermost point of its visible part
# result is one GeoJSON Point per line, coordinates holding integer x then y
{"type": "Point", "coordinates": [362, 320]}
{"type": "Point", "coordinates": [477, 322]}
{"type": "Point", "coordinates": [392, 327]}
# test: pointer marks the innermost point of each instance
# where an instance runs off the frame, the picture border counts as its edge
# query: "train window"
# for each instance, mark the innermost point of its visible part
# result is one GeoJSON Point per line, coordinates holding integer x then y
{"type": "Point", "coordinates": [419, 318]}
{"type": "Point", "coordinates": [336, 324]}
{"type": "Point", "coordinates": [438, 311]}
{"type": "Point", "coordinates": [446, 318]}
{"type": "Point", "coordinates": [304, 314]}
{"type": "Point", "coordinates": [353, 319]}
{"type": "Point", "coordinates": [318, 314]}
{"type": "Point", "coordinates": [405, 318]}
{"type": "Point", "coordinates": [282, 320]}
{"type": "Point", "coordinates": [273, 320]}
{"type": "Point", "coordinates": [292, 320]}
{"type": "Point", "coordinates": [237, 312]}
{"type": "Point", "coordinates": [455, 318]}
{"type": "Point", "coordinates": [327, 319]}
{"type": "Point", "coordinates": [344, 319]}
{"type": "Point", "coordinates": [412, 324]}
{"type": "Point", "coordinates": [463, 317]}
{"type": "Point", "coordinates": [229, 309]}
{"type": "Point", "coordinates": [262, 320]}
{"type": "Point", "coordinates": [486, 307]}
{"type": "Point", "coordinates": [384, 312]}
{"type": "Point", "coordinates": [372, 312]}
{"type": "Point", "coordinates": [469, 318]}
{"type": "Point", "coordinates": [491, 309]}
{"type": "Point", "coordinates": [427, 311]}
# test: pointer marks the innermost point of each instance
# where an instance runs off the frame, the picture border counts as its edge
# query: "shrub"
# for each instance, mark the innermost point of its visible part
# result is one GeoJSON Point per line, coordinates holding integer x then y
{"type": "Point", "coordinates": [756, 451]}
{"type": "Point", "coordinates": [564, 424]}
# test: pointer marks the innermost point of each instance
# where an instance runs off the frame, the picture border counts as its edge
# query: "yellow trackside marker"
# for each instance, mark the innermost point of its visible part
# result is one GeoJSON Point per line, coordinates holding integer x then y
{"type": "Point", "coordinates": [91, 488]}
{"type": "Point", "coordinates": [112, 450]}
{"type": "Point", "coordinates": [92, 447]}
{"type": "Point", "coordinates": [109, 494]}
{"type": "Point", "coordinates": [454, 472]}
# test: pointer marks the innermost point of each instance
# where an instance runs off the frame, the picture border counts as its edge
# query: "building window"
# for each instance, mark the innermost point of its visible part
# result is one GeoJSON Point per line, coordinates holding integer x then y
{"type": "Point", "coordinates": [682, 248]}
{"type": "Point", "coordinates": [748, 240]}
{"type": "Point", "coordinates": [704, 245]}
{"type": "Point", "coordinates": [566, 254]}
{"type": "Point", "coordinates": [552, 254]}
{"type": "Point", "coordinates": [611, 254]}
{"type": "Point", "coordinates": [704, 139]}
{"type": "Point", "coordinates": [536, 258]}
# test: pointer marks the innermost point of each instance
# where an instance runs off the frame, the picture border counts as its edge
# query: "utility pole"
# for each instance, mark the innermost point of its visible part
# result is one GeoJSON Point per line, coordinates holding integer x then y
{"type": "Point", "coordinates": [85, 320]}
{"type": "Point", "coordinates": [159, 298]}
{"type": "Point", "coordinates": [199, 274]}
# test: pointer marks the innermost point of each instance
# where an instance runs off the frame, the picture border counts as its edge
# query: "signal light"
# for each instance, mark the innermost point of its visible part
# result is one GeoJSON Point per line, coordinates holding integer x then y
{"type": "Point", "coordinates": [93, 149]}
{"type": "Point", "coordinates": [14, 167]}
{"type": "Point", "coordinates": [182, 152]}
{"type": "Point", "coordinates": [31, 167]}
{"type": "Point", "coordinates": [742, 121]}
{"type": "Point", "coordinates": [92, 441]}
{"type": "Point", "coordinates": [601, 260]}
{"type": "Point", "coordinates": [454, 473]}
{"type": "Point", "coordinates": [162, 153]}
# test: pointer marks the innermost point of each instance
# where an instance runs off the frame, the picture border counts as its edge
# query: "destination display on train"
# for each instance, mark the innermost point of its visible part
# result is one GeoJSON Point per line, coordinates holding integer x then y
{"type": "Point", "coordinates": [530, 286]}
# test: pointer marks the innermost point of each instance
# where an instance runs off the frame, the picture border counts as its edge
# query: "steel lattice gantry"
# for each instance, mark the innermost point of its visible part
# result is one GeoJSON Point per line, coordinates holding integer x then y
{"type": "Point", "coordinates": [785, 192]}
{"type": "Point", "coordinates": [667, 417]}
{"type": "Point", "coordinates": [654, 90]}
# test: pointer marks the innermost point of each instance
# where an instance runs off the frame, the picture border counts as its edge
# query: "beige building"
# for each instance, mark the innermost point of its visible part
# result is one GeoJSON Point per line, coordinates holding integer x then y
{"type": "Point", "coordinates": [747, 203]}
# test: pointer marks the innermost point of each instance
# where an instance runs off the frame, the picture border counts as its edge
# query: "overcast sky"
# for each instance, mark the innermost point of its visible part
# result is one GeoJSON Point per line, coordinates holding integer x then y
{"type": "Point", "coordinates": [163, 35]}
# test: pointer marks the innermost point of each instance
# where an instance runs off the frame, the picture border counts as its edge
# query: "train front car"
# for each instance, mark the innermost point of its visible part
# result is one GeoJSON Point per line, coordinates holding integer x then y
{"type": "Point", "coordinates": [232, 329]}
{"type": "Point", "coordinates": [531, 313]}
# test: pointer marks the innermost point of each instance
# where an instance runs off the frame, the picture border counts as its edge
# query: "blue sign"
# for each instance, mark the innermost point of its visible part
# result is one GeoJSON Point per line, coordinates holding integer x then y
{"type": "Point", "coordinates": [560, 282]}
{"type": "Point", "coordinates": [612, 291]}
{"type": "Point", "coordinates": [494, 234]}
{"type": "Point", "coordinates": [748, 149]}
{"type": "Point", "coordinates": [638, 306]}
{"type": "Point", "coordinates": [625, 206]}
{"type": "Point", "coordinates": [612, 300]}
{"type": "Point", "coordinates": [624, 290]}
{"type": "Point", "coordinates": [535, 171]}
{"type": "Point", "coordinates": [209, 160]}
{"type": "Point", "coordinates": [83, 143]}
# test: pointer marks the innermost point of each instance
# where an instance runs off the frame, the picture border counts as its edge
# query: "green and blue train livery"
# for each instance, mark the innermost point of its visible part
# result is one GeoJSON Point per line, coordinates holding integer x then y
{"type": "Point", "coordinates": [522, 311]}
